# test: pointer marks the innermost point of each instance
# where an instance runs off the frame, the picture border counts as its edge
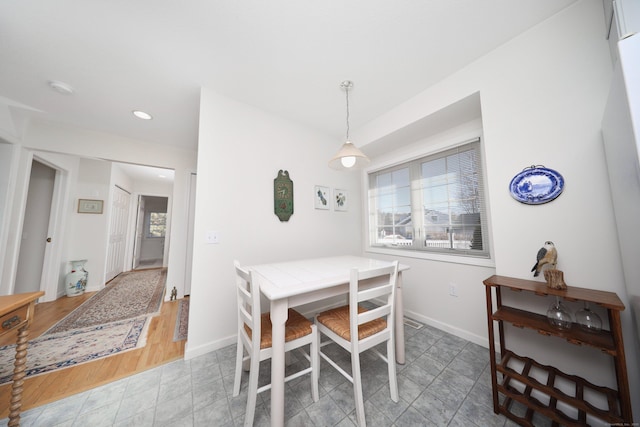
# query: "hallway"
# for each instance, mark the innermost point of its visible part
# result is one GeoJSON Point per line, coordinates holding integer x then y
{"type": "Point", "coordinates": [150, 263]}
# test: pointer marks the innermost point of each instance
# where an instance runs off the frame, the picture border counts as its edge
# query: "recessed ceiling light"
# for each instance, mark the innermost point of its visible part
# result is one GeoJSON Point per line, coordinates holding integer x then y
{"type": "Point", "coordinates": [142, 115]}
{"type": "Point", "coordinates": [61, 87]}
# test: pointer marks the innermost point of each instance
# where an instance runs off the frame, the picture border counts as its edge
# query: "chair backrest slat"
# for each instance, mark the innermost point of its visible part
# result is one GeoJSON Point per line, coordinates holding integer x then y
{"type": "Point", "coordinates": [375, 313]}
{"type": "Point", "coordinates": [248, 299]}
{"type": "Point", "coordinates": [364, 286]}
{"type": "Point", "coordinates": [369, 294]}
{"type": "Point", "coordinates": [245, 316]}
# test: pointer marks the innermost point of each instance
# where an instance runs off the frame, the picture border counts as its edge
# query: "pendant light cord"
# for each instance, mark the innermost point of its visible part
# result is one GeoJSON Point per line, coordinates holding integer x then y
{"type": "Point", "coordinates": [346, 89]}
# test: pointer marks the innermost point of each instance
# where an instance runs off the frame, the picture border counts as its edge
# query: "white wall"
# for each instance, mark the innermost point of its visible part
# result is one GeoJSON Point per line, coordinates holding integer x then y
{"type": "Point", "coordinates": [13, 218]}
{"type": "Point", "coordinates": [240, 151]}
{"type": "Point", "coordinates": [6, 151]}
{"type": "Point", "coordinates": [621, 133]}
{"type": "Point", "coordinates": [6, 158]}
{"type": "Point", "coordinates": [542, 97]}
{"type": "Point", "coordinates": [88, 238]}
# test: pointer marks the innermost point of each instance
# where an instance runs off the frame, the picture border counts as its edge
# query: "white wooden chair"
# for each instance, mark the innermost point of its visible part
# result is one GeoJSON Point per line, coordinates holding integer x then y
{"type": "Point", "coordinates": [254, 335]}
{"type": "Point", "coordinates": [373, 327]}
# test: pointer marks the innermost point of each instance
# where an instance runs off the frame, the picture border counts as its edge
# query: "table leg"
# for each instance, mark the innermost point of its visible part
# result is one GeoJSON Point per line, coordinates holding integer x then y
{"type": "Point", "coordinates": [399, 322]}
{"type": "Point", "coordinates": [18, 376]}
{"type": "Point", "coordinates": [278, 320]}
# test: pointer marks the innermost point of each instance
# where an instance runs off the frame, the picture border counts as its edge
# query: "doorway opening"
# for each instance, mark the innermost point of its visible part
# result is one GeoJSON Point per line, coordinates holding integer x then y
{"type": "Point", "coordinates": [151, 231]}
{"type": "Point", "coordinates": [36, 229]}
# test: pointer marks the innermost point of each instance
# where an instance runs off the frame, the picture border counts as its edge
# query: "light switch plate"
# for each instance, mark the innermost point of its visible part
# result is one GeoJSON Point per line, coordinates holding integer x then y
{"type": "Point", "coordinates": [212, 237]}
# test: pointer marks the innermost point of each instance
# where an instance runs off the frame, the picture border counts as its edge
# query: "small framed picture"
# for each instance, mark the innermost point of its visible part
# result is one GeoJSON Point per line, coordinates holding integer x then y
{"type": "Point", "coordinates": [340, 200]}
{"type": "Point", "coordinates": [90, 206]}
{"type": "Point", "coordinates": [321, 197]}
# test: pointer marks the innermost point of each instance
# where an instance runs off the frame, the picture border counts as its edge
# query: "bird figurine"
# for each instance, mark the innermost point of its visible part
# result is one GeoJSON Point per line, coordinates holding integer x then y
{"type": "Point", "coordinates": [546, 255]}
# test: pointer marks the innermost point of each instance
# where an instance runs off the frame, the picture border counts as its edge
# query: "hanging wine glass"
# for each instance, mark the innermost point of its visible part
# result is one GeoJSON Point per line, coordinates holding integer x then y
{"type": "Point", "coordinates": [558, 315]}
{"type": "Point", "coordinates": [588, 320]}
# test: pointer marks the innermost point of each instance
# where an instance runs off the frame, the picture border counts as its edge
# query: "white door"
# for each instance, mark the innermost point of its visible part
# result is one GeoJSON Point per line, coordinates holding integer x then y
{"type": "Point", "coordinates": [139, 230]}
{"type": "Point", "coordinates": [118, 233]}
{"type": "Point", "coordinates": [35, 228]}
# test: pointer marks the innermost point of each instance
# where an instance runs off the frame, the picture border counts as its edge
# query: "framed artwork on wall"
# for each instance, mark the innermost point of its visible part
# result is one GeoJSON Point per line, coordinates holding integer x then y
{"type": "Point", "coordinates": [340, 200]}
{"type": "Point", "coordinates": [321, 197]}
{"type": "Point", "coordinates": [90, 206]}
{"type": "Point", "coordinates": [283, 196]}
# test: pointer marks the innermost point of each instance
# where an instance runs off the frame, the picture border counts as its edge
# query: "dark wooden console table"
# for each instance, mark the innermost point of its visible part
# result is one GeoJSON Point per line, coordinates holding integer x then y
{"type": "Point", "coordinates": [518, 385]}
{"type": "Point", "coordinates": [16, 314]}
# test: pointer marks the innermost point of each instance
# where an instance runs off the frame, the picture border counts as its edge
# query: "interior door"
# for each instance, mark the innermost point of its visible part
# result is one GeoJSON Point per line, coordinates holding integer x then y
{"type": "Point", "coordinates": [139, 231]}
{"type": "Point", "coordinates": [35, 228]}
{"type": "Point", "coordinates": [118, 233]}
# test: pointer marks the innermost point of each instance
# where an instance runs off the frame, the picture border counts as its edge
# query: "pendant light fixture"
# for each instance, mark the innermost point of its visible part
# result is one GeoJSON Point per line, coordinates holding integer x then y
{"type": "Point", "coordinates": [349, 157]}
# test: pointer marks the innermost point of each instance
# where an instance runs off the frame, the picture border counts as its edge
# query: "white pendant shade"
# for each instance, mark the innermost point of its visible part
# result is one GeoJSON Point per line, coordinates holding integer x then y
{"type": "Point", "coordinates": [349, 157]}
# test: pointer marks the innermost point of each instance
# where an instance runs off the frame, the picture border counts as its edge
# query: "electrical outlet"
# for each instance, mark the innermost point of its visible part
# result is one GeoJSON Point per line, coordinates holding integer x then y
{"type": "Point", "coordinates": [453, 289]}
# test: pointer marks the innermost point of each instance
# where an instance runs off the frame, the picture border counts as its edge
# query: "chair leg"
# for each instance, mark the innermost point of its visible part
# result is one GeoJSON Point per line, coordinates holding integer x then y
{"type": "Point", "coordinates": [239, 357]}
{"type": "Point", "coordinates": [391, 361]}
{"type": "Point", "coordinates": [252, 390]}
{"type": "Point", "coordinates": [315, 363]}
{"type": "Point", "coordinates": [357, 388]}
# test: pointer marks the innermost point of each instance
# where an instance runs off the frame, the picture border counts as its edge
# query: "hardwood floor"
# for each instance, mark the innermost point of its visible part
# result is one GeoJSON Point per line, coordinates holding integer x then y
{"type": "Point", "coordinates": [46, 388]}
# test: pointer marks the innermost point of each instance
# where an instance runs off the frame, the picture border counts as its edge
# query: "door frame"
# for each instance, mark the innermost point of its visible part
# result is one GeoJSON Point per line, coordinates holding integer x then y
{"type": "Point", "coordinates": [50, 279]}
{"type": "Point", "coordinates": [137, 231]}
{"type": "Point", "coordinates": [137, 196]}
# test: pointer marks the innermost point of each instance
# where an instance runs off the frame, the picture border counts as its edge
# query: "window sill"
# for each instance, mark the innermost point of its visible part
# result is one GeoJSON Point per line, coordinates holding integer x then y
{"type": "Point", "coordinates": [466, 260]}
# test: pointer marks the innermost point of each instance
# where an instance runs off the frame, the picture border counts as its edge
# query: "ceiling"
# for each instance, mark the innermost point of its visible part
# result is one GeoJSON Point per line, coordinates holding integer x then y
{"type": "Point", "coordinates": [147, 173]}
{"type": "Point", "coordinates": [287, 57]}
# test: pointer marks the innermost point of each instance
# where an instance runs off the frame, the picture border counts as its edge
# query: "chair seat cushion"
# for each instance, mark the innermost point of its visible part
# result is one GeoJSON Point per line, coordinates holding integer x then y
{"type": "Point", "coordinates": [337, 319]}
{"type": "Point", "coordinates": [297, 326]}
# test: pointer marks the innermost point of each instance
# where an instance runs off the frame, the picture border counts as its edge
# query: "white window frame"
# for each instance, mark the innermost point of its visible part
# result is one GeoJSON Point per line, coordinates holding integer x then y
{"type": "Point", "coordinates": [417, 151]}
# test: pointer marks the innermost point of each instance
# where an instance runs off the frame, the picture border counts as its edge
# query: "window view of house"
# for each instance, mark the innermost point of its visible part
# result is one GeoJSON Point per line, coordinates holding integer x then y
{"type": "Point", "coordinates": [434, 203]}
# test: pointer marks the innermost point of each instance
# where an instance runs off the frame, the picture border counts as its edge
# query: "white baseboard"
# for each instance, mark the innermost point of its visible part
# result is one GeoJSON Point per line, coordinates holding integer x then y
{"type": "Point", "coordinates": [190, 353]}
{"type": "Point", "coordinates": [474, 338]}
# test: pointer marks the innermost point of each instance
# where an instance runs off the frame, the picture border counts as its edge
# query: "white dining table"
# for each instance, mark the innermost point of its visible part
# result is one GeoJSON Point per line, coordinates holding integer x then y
{"type": "Point", "coordinates": [293, 283]}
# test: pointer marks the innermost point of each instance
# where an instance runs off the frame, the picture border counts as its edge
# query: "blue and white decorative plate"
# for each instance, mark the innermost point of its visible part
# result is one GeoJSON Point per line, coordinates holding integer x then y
{"type": "Point", "coordinates": [536, 185]}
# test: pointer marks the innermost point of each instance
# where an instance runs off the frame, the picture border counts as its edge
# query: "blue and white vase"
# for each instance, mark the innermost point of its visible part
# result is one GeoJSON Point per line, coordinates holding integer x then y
{"type": "Point", "coordinates": [76, 279]}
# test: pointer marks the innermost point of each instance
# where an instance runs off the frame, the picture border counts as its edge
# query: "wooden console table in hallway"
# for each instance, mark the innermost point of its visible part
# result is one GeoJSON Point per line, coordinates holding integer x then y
{"type": "Point", "coordinates": [16, 314]}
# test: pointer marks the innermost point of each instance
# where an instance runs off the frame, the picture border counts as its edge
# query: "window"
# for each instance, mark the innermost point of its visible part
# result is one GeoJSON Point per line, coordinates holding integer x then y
{"type": "Point", "coordinates": [433, 204]}
{"type": "Point", "coordinates": [157, 224]}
